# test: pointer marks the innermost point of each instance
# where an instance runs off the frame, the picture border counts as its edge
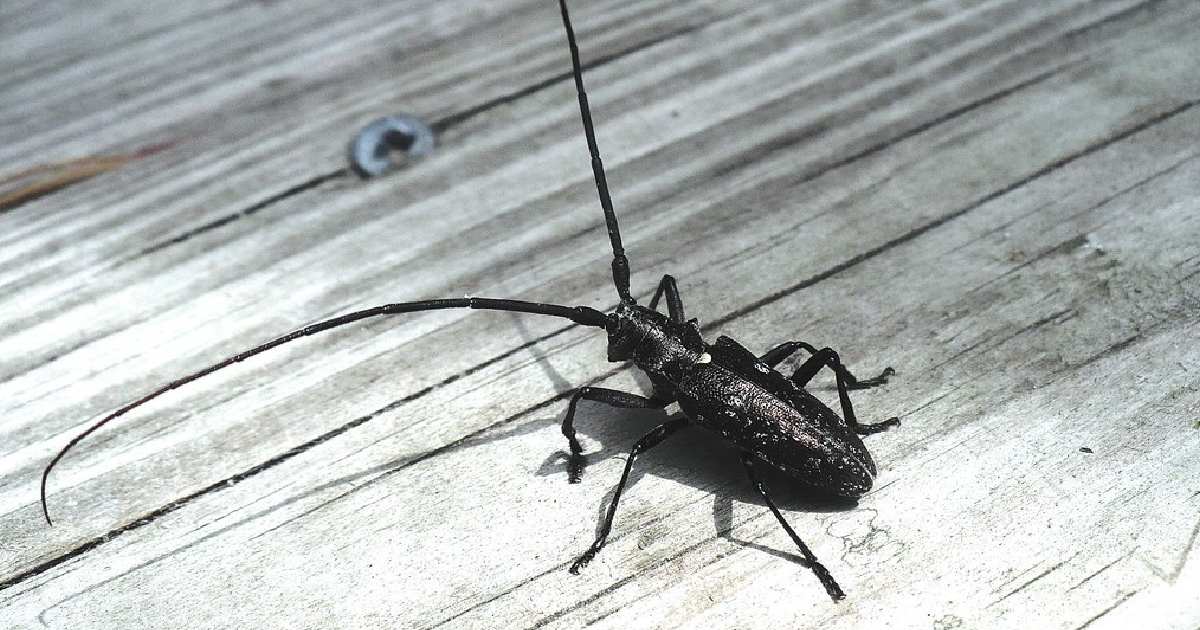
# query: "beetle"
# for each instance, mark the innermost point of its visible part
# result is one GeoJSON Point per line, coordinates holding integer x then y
{"type": "Point", "coordinates": [721, 386]}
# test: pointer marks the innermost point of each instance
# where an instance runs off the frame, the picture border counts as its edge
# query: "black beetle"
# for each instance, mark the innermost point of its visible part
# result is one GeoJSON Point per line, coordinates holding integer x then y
{"type": "Point", "coordinates": [721, 386]}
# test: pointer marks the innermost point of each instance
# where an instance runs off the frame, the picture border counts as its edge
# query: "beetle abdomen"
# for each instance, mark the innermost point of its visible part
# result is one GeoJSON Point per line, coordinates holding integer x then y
{"type": "Point", "coordinates": [789, 429]}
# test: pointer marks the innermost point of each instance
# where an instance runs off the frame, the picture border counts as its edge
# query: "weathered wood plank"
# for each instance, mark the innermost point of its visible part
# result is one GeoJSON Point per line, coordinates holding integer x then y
{"type": "Point", "coordinates": [997, 198]}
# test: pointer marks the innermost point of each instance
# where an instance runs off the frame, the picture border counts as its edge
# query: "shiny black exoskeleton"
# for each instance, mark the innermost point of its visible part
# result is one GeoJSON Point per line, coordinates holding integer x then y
{"type": "Point", "coordinates": [720, 386]}
{"type": "Point", "coordinates": [725, 388]}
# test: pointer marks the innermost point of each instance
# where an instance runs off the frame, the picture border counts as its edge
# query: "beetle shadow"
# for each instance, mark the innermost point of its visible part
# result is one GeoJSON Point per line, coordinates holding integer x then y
{"type": "Point", "coordinates": [699, 459]}
{"type": "Point", "coordinates": [693, 456]}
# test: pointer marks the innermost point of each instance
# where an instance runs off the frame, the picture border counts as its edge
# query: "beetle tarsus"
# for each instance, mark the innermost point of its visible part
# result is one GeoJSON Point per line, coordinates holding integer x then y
{"type": "Point", "coordinates": [868, 429]}
{"type": "Point", "coordinates": [575, 465]}
{"type": "Point", "coordinates": [582, 561]}
{"type": "Point", "coordinates": [882, 378]}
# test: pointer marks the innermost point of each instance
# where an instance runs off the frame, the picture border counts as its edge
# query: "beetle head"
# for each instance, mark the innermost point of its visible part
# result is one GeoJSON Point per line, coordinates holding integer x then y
{"type": "Point", "coordinates": [625, 333]}
{"type": "Point", "coordinates": [650, 339]}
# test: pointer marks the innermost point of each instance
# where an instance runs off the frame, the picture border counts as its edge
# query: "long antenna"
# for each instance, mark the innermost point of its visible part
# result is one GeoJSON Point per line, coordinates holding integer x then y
{"type": "Point", "coordinates": [620, 264]}
{"type": "Point", "coordinates": [578, 314]}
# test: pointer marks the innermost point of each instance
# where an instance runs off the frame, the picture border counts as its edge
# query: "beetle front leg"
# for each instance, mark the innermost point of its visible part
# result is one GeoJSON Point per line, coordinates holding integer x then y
{"type": "Point", "coordinates": [826, 357]}
{"type": "Point", "coordinates": [647, 442]}
{"type": "Point", "coordinates": [674, 301]}
{"type": "Point", "coordinates": [598, 394]}
{"type": "Point", "coordinates": [810, 560]}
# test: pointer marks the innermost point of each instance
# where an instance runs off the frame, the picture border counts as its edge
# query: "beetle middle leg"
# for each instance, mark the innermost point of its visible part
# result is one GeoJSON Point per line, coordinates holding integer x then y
{"type": "Point", "coordinates": [647, 442]}
{"type": "Point", "coordinates": [810, 560]}
{"type": "Point", "coordinates": [598, 394]}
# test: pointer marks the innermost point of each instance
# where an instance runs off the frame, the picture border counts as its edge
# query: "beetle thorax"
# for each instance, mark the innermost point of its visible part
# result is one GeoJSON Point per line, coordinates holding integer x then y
{"type": "Point", "coordinates": [651, 340]}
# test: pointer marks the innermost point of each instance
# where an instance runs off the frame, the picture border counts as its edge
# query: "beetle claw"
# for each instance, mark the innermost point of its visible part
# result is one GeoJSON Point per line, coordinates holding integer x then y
{"type": "Point", "coordinates": [873, 382]}
{"type": "Point", "coordinates": [575, 465]}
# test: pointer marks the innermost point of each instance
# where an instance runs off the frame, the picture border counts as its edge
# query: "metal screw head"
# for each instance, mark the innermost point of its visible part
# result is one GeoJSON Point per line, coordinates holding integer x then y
{"type": "Point", "coordinates": [372, 149]}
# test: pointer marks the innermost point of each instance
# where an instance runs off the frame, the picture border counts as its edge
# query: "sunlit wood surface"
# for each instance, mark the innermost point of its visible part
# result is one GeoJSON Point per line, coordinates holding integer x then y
{"type": "Point", "coordinates": [1000, 199]}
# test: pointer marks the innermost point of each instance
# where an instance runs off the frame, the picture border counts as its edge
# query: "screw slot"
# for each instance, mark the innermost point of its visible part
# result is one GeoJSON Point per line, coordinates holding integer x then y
{"type": "Point", "coordinates": [373, 150]}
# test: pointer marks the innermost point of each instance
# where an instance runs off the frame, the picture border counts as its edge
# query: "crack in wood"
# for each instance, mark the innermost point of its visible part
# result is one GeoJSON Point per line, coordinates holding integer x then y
{"type": "Point", "coordinates": [1102, 569]}
{"type": "Point", "coordinates": [1064, 247]}
{"type": "Point", "coordinates": [280, 458]}
{"type": "Point", "coordinates": [1031, 581]}
{"type": "Point", "coordinates": [759, 151]}
{"type": "Point", "coordinates": [817, 128]}
{"type": "Point", "coordinates": [617, 585]}
{"type": "Point", "coordinates": [946, 218]}
{"type": "Point", "coordinates": [302, 187]}
{"type": "Point", "coordinates": [457, 118]}
{"type": "Point", "coordinates": [1108, 20]}
{"type": "Point", "coordinates": [1121, 600]}
{"type": "Point", "coordinates": [439, 126]}
{"type": "Point", "coordinates": [564, 565]}
{"type": "Point", "coordinates": [1056, 317]}
{"type": "Point", "coordinates": [1107, 352]}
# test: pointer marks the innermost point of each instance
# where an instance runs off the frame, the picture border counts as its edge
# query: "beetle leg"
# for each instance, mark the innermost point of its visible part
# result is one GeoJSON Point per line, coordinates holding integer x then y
{"type": "Point", "coordinates": [776, 355]}
{"type": "Point", "coordinates": [599, 394]}
{"type": "Point", "coordinates": [810, 560]}
{"type": "Point", "coordinates": [826, 357]}
{"type": "Point", "coordinates": [647, 442]}
{"type": "Point", "coordinates": [674, 302]}
{"type": "Point", "coordinates": [805, 372]}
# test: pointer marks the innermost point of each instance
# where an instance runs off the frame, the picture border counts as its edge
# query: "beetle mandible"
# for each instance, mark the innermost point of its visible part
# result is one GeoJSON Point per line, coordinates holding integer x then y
{"type": "Point", "coordinates": [721, 386]}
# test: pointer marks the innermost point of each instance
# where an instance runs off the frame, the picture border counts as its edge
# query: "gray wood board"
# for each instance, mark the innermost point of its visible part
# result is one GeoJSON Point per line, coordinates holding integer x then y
{"type": "Point", "coordinates": [1000, 199]}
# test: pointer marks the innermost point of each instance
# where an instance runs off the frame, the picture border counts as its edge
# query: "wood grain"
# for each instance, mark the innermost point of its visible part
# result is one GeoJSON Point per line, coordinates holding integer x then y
{"type": "Point", "coordinates": [1000, 199]}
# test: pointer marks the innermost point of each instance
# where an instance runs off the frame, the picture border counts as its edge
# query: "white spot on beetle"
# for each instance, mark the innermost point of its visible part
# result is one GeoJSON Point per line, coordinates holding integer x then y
{"type": "Point", "coordinates": [704, 358]}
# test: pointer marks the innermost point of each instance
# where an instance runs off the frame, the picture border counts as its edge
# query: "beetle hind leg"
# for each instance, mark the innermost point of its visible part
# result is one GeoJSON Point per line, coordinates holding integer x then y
{"type": "Point", "coordinates": [809, 559]}
{"type": "Point", "coordinates": [820, 359]}
{"type": "Point", "coordinates": [827, 357]}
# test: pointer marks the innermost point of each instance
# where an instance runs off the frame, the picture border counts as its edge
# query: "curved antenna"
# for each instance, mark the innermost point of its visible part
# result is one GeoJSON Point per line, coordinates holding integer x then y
{"type": "Point", "coordinates": [620, 264]}
{"type": "Point", "coordinates": [578, 314]}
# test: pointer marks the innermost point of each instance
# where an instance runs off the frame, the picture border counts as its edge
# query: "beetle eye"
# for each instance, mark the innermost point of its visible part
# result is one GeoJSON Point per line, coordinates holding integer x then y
{"type": "Point", "coordinates": [622, 339]}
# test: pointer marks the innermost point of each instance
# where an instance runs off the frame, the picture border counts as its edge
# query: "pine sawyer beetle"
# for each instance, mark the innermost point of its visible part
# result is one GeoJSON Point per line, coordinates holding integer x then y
{"type": "Point", "coordinates": [721, 386]}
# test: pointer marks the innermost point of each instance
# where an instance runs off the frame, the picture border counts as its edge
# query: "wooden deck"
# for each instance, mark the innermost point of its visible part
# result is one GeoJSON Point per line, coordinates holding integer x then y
{"type": "Point", "coordinates": [999, 198]}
